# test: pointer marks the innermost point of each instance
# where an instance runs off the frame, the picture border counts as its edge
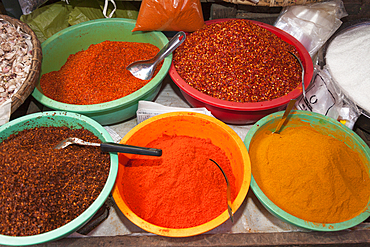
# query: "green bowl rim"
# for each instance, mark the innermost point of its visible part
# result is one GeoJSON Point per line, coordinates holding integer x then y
{"type": "Point", "coordinates": [281, 214]}
{"type": "Point", "coordinates": [107, 106]}
{"type": "Point", "coordinates": [80, 220]}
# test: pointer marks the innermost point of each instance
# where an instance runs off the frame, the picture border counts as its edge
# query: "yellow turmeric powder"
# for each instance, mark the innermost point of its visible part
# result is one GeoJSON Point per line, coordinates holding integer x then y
{"type": "Point", "coordinates": [310, 175]}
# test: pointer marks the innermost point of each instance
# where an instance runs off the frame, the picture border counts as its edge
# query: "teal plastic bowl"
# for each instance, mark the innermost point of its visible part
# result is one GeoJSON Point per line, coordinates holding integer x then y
{"type": "Point", "coordinates": [58, 47]}
{"type": "Point", "coordinates": [71, 120]}
{"type": "Point", "coordinates": [326, 126]}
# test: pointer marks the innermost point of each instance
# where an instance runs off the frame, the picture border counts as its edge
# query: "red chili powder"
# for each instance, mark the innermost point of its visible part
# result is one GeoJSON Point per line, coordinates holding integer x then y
{"type": "Point", "coordinates": [182, 188]}
{"type": "Point", "coordinates": [98, 74]}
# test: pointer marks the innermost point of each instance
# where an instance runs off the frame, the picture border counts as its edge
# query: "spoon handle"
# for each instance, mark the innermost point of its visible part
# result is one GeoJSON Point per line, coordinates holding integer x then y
{"type": "Point", "coordinates": [285, 115]}
{"type": "Point", "coordinates": [123, 148]}
{"type": "Point", "coordinates": [170, 46]}
{"type": "Point", "coordinates": [300, 63]}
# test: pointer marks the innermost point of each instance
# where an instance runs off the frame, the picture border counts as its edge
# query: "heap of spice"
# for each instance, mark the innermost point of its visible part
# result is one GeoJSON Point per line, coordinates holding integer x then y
{"type": "Point", "coordinates": [312, 176]}
{"type": "Point", "coordinates": [182, 188]}
{"type": "Point", "coordinates": [238, 61]}
{"type": "Point", "coordinates": [43, 188]}
{"type": "Point", "coordinates": [98, 74]}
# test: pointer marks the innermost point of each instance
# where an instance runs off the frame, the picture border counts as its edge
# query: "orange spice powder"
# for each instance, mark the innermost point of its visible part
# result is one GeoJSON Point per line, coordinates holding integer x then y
{"type": "Point", "coordinates": [98, 74]}
{"type": "Point", "coordinates": [182, 188]}
{"type": "Point", "coordinates": [312, 176]}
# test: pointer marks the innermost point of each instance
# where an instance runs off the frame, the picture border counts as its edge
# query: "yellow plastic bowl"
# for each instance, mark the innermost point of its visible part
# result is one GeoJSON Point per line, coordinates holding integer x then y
{"type": "Point", "coordinates": [194, 125]}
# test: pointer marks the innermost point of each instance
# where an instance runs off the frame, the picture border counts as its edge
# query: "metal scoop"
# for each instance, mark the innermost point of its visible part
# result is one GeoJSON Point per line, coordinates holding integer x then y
{"type": "Point", "coordinates": [228, 192]}
{"type": "Point", "coordinates": [144, 69]}
{"type": "Point", "coordinates": [300, 64]}
{"type": "Point", "coordinates": [285, 115]}
{"type": "Point", "coordinates": [110, 147]}
{"type": "Point", "coordinates": [303, 87]}
{"type": "Point", "coordinates": [292, 101]}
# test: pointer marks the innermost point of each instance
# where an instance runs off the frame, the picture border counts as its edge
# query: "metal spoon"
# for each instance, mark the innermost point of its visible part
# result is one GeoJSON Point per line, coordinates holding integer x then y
{"type": "Point", "coordinates": [228, 192]}
{"type": "Point", "coordinates": [303, 87]}
{"type": "Point", "coordinates": [285, 115]}
{"type": "Point", "coordinates": [300, 64]}
{"type": "Point", "coordinates": [292, 101]}
{"type": "Point", "coordinates": [144, 69]}
{"type": "Point", "coordinates": [110, 147]}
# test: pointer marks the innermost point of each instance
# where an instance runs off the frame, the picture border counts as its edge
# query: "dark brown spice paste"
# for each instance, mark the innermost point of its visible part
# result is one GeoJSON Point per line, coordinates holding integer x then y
{"type": "Point", "coordinates": [42, 188]}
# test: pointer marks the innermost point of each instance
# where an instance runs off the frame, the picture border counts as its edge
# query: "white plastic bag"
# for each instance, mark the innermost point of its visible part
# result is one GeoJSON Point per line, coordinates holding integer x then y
{"type": "Point", "coordinates": [324, 97]}
{"type": "Point", "coordinates": [312, 24]}
{"type": "Point", "coordinates": [5, 111]}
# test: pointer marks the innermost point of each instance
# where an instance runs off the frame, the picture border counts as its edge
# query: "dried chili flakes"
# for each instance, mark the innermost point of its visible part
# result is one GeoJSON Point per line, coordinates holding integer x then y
{"type": "Point", "coordinates": [98, 74]}
{"type": "Point", "coordinates": [238, 61]}
{"type": "Point", "coordinates": [42, 188]}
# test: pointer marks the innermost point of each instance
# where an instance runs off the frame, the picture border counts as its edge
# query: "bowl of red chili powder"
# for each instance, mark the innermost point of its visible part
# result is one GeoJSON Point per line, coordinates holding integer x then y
{"type": "Point", "coordinates": [84, 69]}
{"type": "Point", "coordinates": [47, 194]}
{"type": "Point", "coordinates": [240, 70]}
{"type": "Point", "coordinates": [182, 193]}
{"type": "Point", "coordinates": [313, 174]}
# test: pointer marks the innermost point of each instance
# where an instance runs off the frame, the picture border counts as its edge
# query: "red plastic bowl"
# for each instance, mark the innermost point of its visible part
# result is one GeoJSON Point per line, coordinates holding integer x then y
{"type": "Point", "coordinates": [246, 113]}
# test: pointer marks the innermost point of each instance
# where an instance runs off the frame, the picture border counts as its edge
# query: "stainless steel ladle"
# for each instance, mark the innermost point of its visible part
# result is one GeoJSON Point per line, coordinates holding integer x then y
{"type": "Point", "coordinates": [110, 147]}
{"type": "Point", "coordinates": [144, 69]}
{"type": "Point", "coordinates": [285, 115]}
{"type": "Point", "coordinates": [292, 101]}
{"type": "Point", "coordinates": [228, 192]}
{"type": "Point", "coordinates": [303, 86]}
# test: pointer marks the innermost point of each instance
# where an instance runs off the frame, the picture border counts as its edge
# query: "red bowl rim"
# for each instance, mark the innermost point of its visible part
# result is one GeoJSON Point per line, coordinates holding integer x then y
{"type": "Point", "coordinates": [252, 106]}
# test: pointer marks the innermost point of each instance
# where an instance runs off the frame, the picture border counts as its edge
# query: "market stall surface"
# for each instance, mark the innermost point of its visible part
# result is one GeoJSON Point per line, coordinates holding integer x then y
{"type": "Point", "coordinates": [253, 226]}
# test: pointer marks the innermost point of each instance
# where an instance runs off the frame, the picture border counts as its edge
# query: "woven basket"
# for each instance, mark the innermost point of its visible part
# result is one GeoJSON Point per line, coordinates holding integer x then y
{"type": "Point", "coordinates": [32, 78]}
{"type": "Point", "coordinates": [273, 3]}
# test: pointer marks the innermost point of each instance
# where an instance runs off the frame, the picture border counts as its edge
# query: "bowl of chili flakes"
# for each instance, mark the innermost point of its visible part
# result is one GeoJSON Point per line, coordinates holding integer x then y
{"type": "Point", "coordinates": [240, 70]}
{"type": "Point", "coordinates": [50, 193]}
{"type": "Point", "coordinates": [107, 80]}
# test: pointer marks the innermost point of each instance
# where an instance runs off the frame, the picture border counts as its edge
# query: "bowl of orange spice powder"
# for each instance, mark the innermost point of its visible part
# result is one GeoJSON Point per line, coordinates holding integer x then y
{"type": "Point", "coordinates": [182, 193]}
{"type": "Point", "coordinates": [84, 69]}
{"type": "Point", "coordinates": [313, 174]}
{"type": "Point", "coordinates": [241, 70]}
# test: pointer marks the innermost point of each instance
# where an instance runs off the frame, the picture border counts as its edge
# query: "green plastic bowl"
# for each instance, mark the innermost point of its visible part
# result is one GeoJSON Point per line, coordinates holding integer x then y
{"type": "Point", "coordinates": [58, 47]}
{"type": "Point", "coordinates": [326, 126]}
{"type": "Point", "coordinates": [71, 120]}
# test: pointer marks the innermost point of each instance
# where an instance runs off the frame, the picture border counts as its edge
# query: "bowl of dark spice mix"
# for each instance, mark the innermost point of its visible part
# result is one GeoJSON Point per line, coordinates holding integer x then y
{"type": "Point", "coordinates": [47, 194]}
{"type": "Point", "coordinates": [314, 173]}
{"type": "Point", "coordinates": [20, 63]}
{"type": "Point", "coordinates": [241, 70]}
{"type": "Point", "coordinates": [182, 193]}
{"type": "Point", "coordinates": [84, 69]}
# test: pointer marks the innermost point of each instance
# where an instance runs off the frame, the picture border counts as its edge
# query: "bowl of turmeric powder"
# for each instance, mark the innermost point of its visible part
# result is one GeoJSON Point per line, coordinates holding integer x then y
{"type": "Point", "coordinates": [84, 69]}
{"type": "Point", "coordinates": [313, 174]}
{"type": "Point", "coordinates": [182, 193]}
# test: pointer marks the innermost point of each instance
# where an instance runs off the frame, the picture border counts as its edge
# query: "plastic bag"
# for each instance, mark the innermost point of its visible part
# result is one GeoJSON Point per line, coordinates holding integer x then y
{"type": "Point", "coordinates": [170, 15]}
{"type": "Point", "coordinates": [28, 6]}
{"type": "Point", "coordinates": [312, 24]}
{"type": "Point", "coordinates": [324, 97]}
